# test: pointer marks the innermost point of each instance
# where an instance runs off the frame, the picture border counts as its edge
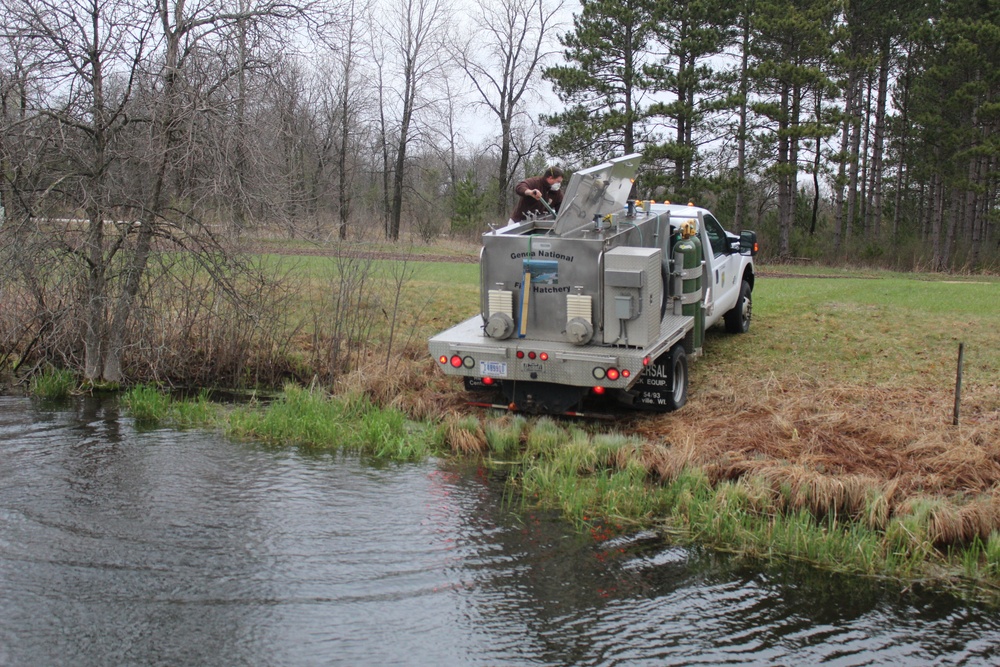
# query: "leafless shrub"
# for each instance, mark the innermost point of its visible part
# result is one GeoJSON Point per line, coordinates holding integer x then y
{"type": "Point", "coordinates": [347, 313]}
{"type": "Point", "coordinates": [193, 332]}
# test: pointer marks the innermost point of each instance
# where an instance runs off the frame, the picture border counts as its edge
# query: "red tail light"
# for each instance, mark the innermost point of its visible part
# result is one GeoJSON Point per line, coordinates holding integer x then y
{"type": "Point", "coordinates": [612, 373]}
{"type": "Point", "coordinates": [456, 361]}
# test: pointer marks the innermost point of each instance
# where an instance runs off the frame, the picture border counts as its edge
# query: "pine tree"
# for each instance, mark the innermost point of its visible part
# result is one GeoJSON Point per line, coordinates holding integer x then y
{"type": "Point", "coordinates": [690, 33]}
{"type": "Point", "coordinates": [791, 53]}
{"type": "Point", "coordinates": [602, 83]}
{"type": "Point", "coordinates": [955, 108]}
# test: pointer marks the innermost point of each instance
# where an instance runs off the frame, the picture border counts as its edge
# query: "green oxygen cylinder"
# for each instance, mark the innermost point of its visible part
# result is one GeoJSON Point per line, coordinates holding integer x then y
{"type": "Point", "coordinates": [687, 253]}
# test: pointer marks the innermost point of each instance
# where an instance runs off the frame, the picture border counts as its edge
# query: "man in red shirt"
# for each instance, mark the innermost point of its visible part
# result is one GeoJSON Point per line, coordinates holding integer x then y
{"type": "Point", "coordinates": [531, 192]}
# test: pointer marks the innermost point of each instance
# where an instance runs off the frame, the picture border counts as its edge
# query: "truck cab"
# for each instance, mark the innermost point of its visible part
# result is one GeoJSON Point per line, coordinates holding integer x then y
{"type": "Point", "coordinates": [728, 264]}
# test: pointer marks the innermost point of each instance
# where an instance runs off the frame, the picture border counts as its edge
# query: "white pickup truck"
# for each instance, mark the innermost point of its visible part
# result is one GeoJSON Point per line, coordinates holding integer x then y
{"type": "Point", "coordinates": [607, 299]}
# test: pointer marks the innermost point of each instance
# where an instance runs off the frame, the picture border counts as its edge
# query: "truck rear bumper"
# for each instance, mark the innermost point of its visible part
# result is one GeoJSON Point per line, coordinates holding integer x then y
{"type": "Point", "coordinates": [465, 350]}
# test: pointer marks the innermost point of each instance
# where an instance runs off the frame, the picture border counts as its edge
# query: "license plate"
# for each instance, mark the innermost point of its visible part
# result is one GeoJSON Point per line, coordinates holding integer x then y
{"type": "Point", "coordinates": [496, 369]}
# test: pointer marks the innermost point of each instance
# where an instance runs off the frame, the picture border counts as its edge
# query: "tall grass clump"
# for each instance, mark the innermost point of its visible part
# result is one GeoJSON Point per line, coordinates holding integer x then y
{"type": "Point", "coordinates": [503, 436]}
{"type": "Point", "coordinates": [616, 449]}
{"type": "Point", "coordinates": [311, 418]}
{"type": "Point", "coordinates": [194, 411]}
{"type": "Point", "coordinates": [992, 554]}
{"type": "Point", "coordinates": [544, 438]}
{"type": "Point", "coordinates": [587, 477]}
{"type": "Point", "coordinates": [576, 455]}
{"type": "Point", "coordinates": [298, 417]}
{"type": "Point", "coordinates": [146, 404]}
{"type": "Point", "coordinates": [151, 406]}
{"type": "Point", "coordinates": [53, 384]}
{"type": "Point", "coordinates": [626, 494]}
{"type": "Point", "coordinates": [387, 434]}
{"type": "Point", "coordinates": [466, 435]}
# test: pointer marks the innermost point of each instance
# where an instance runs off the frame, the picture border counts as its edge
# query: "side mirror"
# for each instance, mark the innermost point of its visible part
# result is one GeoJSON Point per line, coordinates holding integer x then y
{"type": "Point", "coordinates": [748, 243]}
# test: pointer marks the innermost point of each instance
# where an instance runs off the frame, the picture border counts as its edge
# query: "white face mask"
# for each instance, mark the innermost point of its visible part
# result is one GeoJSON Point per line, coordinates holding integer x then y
{"type": "Point", "coordinates": [555, 187]}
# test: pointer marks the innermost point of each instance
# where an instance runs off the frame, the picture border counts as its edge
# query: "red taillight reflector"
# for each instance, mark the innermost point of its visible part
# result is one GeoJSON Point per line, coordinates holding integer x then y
{"type": "Point", "coordinates": [645, 361]}
{"type": "Point", "coordinates": [599, 390]}
{"type": "Point", "coordinates": [544, 356]}
{"type": "Point", "coordinates": [456, 361]}
{"type": "Point", "coordinates": [612, 373]}
{"type": "Point", "coordinates": [520, 354]}
{"type": "Point", "coordinates": [626, 373]}
{"type": "Point", "coordinates": [531, 355]}
{"type": "Point", "coordinates": [487, 380]}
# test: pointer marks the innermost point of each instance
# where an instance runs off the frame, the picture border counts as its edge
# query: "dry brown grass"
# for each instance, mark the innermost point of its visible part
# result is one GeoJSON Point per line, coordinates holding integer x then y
{"type": "Point", "coordinates": [410, 383]}
{"type": "Point", "coordinates": [864, 452]}
{"type": "Point", "coordinates": [867, 453]}
{"type": "Point", "coordinates": [465, 435]}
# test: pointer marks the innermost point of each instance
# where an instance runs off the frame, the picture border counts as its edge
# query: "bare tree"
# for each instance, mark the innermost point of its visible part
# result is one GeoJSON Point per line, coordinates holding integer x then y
{"type": "Point", "coordinates": [184, 29]}
{"type": "Point", "coordinates": [349, 101]}
{"type": "Point", "coordinates": [415, 34]}
{"type": "Point", "coordinates": [124, 87]}
{"type": "Point", "coordinates": [503, 57]}
{"type": "Point", "coordinates": [92, 52]}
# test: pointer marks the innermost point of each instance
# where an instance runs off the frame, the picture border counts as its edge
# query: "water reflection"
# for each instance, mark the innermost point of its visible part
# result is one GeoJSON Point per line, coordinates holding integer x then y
{"type": "Point", "coordinates": [119, 547]}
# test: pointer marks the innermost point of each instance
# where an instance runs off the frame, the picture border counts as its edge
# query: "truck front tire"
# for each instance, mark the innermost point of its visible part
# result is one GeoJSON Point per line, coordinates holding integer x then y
{"type": "Point", "coordinates": [738, 319]}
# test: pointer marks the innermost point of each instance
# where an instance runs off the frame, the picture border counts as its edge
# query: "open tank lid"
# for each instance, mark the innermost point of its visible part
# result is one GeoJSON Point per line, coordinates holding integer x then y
{"type": "Point", "coordinates": [596, 190]}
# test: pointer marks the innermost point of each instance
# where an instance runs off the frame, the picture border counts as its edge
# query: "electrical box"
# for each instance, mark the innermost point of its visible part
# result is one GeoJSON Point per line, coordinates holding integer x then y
{"type": "Point", "coordinates": [633, 296]}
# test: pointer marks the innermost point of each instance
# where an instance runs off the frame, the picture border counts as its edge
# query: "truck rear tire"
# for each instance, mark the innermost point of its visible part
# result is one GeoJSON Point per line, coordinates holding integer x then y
{"type": "Point", "coordinates": [738, 319]}
{"type": "Point", "coordinates": [678, 366]}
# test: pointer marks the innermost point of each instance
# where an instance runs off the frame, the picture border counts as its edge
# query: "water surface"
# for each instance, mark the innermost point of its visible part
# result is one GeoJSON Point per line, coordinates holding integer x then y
{"type": "Point", "coordinates": [126, 547]}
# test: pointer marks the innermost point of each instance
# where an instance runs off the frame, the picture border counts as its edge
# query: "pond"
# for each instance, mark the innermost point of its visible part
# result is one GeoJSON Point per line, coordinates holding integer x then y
{"type": "Point", "coordinates": [121, 546]}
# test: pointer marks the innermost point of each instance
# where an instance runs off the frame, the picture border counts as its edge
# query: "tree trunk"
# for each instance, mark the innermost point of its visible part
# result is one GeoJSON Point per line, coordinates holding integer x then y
{"type": "Point", "coordinates": [95, 303]}
{"type": "Point", "coordinates": [783, 167]}
{"type": "Point", "coordinates": [839, 224]}
{"type": "Point", "coordinates": [937, 218]}
{"type": "Point", "coordinates": [343, 194]}
{"type": "Point", "coordinates": [853, 164]}
{"type": "Point", "coordinates": [815, 167]}
{"type": "Point", "coordinates": [741, 132]}
{"type": "Point", "coordinates": [875, 210]}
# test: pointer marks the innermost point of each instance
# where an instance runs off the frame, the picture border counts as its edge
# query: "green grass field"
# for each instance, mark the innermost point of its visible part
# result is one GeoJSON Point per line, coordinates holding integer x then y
{"type": "Point", "coordinates": [890, 329]}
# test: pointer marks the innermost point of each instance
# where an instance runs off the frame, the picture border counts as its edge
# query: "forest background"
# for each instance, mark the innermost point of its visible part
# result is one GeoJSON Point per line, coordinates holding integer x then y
{"type": "Point", "coordinates": [862, 132]}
